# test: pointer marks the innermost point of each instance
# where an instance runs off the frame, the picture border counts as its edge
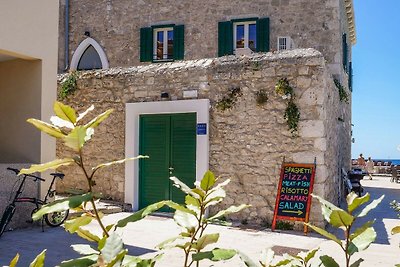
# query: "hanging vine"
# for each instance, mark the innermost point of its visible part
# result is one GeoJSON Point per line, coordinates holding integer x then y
{"type": "Point", "coordinates": [343, 96]}
{"type": "Point", "coordinates": [292, 112]}
{"type": "Point", "coordinates": [68, 85]}
{"type": "Point", "coordinates": [228, 101]}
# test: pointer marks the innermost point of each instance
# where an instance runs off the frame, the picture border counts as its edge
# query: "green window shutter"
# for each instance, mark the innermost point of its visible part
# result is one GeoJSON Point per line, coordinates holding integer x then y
{"type": "Point", "coordinates": [179, 42]}
{"type": "Point", "coordinates": [345, 52]}
{"type": "Point", "coordinates": [146, 44]}
{"type": "Point", "coordinates": [263, 35]}
{"type": "Point", "coordinates": [225, 38]}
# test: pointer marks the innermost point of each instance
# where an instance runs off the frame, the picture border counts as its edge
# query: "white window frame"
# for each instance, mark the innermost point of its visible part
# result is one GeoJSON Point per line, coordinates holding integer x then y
{"type": "Point", "coordinates": [289, 43]}
{"type": "Point", "coordinates": [165, 45]}
{"type": "Point", "coordinates": [246, 33]}
{"type": "Point", "coordinates": [82, 48]}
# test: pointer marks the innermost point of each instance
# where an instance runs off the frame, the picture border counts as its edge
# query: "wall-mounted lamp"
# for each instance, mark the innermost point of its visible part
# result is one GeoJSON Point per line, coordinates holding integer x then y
{"type": "Point", "coordinates": [87, 33]}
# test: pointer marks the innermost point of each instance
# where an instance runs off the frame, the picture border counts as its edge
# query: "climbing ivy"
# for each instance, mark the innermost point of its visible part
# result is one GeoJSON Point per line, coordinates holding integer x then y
{"type": "Point", "coordinates": [68, 85]}
{"type": "Point", "coordinates": [292, 112]}
{"type": "Point", "coordinates": [228, 101]}
{"type": "Point", "coordinates": [343, 96]}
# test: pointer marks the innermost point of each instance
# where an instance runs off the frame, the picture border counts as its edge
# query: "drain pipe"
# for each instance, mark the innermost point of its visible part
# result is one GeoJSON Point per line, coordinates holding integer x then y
{"type": "Point", "coordinates": [66, 36]}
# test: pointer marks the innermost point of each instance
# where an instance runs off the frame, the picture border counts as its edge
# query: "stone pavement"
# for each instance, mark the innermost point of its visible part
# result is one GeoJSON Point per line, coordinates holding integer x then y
{"type": "Point", "coordinates": [141, 238]}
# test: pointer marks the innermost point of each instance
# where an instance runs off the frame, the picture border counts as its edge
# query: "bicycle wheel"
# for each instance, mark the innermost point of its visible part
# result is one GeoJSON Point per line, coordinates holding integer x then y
{"type": "Point", "coordinates": [7, 215]}
{"type": "Point", "coordinates": [55, 219]}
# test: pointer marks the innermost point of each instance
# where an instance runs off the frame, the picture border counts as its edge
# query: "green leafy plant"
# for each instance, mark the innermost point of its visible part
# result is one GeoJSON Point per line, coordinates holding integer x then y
{"type": "Point", "coordinates": [68, 127]}
{"type": "Point", "coordinates": [303, 259]}
{"type": "Point", "coordinates": [283, 88]}
{"type": "Point", "coordinates": [292, 112]}
{"type": "Point", "coordinates": [68, 85]}
{"type": "Point", "coordinates": [396, 230]}
{"type": "Point", "coordinates": [355, 241]}
{"type": "Point", "coordinates": [261, 97]}
{"type": "Point", "coordinates": [284, 225]}
{"type": "Point", "coordinates": [228, 101]}
{"type": "Point", "coordinates": [343, 95]}
{"type": "Point", "coordinates": [192, 218]}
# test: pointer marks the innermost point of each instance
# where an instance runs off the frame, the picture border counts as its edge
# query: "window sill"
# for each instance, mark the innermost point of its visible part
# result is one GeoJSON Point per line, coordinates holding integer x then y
{"type": "Point", "coordinates": [162, 60]}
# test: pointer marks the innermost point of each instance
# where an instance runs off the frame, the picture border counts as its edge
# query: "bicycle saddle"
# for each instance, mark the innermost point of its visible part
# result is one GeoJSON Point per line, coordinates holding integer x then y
{"type": "Point", "coordinates": [59, 175]}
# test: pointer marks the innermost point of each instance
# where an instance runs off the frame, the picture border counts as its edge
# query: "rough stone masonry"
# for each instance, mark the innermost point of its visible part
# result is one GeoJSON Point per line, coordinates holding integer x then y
{"type": "Point", "coordinates": [248, 142]}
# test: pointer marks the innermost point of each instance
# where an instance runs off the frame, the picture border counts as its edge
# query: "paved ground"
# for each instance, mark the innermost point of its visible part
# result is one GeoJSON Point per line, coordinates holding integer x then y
{"type": "Point", "coordinates": [141, 237]}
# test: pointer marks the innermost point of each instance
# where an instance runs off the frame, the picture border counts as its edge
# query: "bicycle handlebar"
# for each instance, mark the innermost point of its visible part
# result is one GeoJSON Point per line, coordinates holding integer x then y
{"type": "Point", "coordinates": [27, 175]}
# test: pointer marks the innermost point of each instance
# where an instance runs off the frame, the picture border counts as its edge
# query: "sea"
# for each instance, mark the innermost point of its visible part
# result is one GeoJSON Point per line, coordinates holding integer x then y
{"type": "Point", "coordinates": [394, 161]}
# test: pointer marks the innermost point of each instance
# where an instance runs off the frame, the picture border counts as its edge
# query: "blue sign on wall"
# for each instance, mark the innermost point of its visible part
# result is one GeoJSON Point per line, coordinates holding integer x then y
{"type": "Point", "coordinates": [202, 129]}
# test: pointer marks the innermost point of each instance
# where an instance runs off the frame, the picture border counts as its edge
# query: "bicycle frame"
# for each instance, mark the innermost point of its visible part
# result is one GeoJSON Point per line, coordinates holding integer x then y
{"type": "Point", "coordinates": [37, 201]}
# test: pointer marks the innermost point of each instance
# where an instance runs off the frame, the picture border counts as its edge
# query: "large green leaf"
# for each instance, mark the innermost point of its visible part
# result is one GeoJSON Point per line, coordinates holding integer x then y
{"type": "Point", "coordinates": [327, 208]}
{"type": "Point", "coordinates": [56, 121]}
{"type": "Point", "coordinates": [193, 204]}
{"type": "Point", "coordinates": [80, 262]}
{"type": "Point", "coordinates": [96, 121]}
{"type": "Point", "coordinates": [186, 220]}
{"type": "Point", "coordinates": [353, 201]}
{"type": "Point", "coordinates": [83, 114]}
{"type": "Point", "coordinates": [64, 112]}
{"type": "Point", "coordinates": [86, 234]}
{"type": "Point", "coordinates": [168, 242]}
{"type": "Point", "coordinates": [361, 229]}
{"type": "Point", "coordinates": [39, 260]}
{"type": "Point", "coordinates": [118, 259]}
{"type": "Point", "coordinates": [84, 249]}
{"type": "Point", "coordinates": [117, 162]}
{"type": "Point", "coordinates": [140, 214]}
{"type": "Point", "coordinates": [356, 263]}
{"type": "Point", "coordinates": [396, 230]}
{"type": "Point", "coordinates": [47, 128]}
{"type": "Point", "coordinates": [310, 255]}
{"type": "Point", "coordinates": [230, 210]}
{"type": "Point", "coordinates": [328, 261]}
{"type": "Point", "coordinates": [362, 241]}
{"type": "Point", "coordinates": [217, 254]}
{"type": "Point", "coordinates": [47, 166]}
{"type": "Point", "coordinates": [208, 181]}
{"type": "Point", "coordinates": [267, 256]}
{"type": "Point", "coordinates": [77, 137]}
{"type": "Point", "coordinates": [61, 205]}
{"type": "Point", "coordinates": [73, 225]}
{"type": "Point", "coordinates": [246, 259]}
{"type": "Point", "coordinates": [182, 186]}
{"type": "Point", "coordinates": [14, 261]}
{"type": "Point", "coordinates": [340, 218]}
{"type": "Point", "coordinates": [176, 206]}
{"type": "Point", "coordinates": [112, 247]}
{"type": "Point", "coordinates": [324, 233]}
{"type": "Point", "coordinates": [205, 240]}
{"type": "Point", "coordinates": [370, 207]}
{"type": "Point", "coordinates": [215, 197]}
{"type": "Point", "coordinates": [219, 186]}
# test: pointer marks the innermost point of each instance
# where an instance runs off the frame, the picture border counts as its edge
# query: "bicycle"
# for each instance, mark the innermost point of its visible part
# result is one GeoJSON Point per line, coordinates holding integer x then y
{"type": "Point", "coordinates": [52, 219]}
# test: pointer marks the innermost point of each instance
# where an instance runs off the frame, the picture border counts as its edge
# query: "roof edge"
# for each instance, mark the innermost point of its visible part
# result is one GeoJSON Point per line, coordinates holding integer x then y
{"type": "Point", "coordinates": [349, 9]}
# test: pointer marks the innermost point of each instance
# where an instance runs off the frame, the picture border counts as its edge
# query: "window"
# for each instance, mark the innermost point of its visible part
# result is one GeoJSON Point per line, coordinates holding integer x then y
{"type": "Point", "coordinates": [252, 33]}
{"type": "Point", "coordinates": [285, 43]}
{"type": "Point", "coordinates": [89, 55]}
{"type": "Point", "coordinates": [90, 59]}
{"type": "Point", "coordinates": [345, 48]}
{"type": "Point", "coordinates": [245, 35]}
{"type": "Point", "coordinates": [162, 43]}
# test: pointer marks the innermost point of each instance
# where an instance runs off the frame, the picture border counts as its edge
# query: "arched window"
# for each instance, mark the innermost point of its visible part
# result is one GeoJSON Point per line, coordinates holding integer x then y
{"type": "Point", "coordinates": [89, 55]}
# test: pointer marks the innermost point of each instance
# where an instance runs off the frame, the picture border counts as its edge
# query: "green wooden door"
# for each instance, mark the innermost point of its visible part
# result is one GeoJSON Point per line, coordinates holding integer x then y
{"type": "Point", "coordinates": [170, 142]}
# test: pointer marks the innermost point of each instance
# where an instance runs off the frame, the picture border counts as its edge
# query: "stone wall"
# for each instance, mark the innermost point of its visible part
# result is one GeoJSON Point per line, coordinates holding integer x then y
{"type": "Point", "coordinates": [247, 143]}
{"type": "Point", "coordinates": [115, 25]}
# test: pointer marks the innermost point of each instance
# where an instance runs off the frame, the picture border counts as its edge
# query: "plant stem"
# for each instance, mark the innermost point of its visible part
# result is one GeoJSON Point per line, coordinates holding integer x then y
{"type": "Point", "coordinates": [89, 180]}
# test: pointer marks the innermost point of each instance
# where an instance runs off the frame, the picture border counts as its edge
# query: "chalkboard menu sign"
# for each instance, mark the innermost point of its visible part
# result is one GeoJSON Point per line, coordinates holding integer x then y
{"type": "Point", "coordinates": [294, 192]}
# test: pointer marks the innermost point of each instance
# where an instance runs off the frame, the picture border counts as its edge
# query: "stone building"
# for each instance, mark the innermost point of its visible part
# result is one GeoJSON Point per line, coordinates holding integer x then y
{"type": "Point", "coordinates": [193, 54]}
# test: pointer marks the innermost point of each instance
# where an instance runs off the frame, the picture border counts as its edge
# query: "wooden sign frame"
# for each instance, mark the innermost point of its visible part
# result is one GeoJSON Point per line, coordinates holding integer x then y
{"type": "Point", "coordinates": [291, 218]}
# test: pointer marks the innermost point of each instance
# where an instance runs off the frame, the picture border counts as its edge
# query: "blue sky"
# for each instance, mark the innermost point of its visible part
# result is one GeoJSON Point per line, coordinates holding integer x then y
{"type": "Point", "coordinates": [376, 90]}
